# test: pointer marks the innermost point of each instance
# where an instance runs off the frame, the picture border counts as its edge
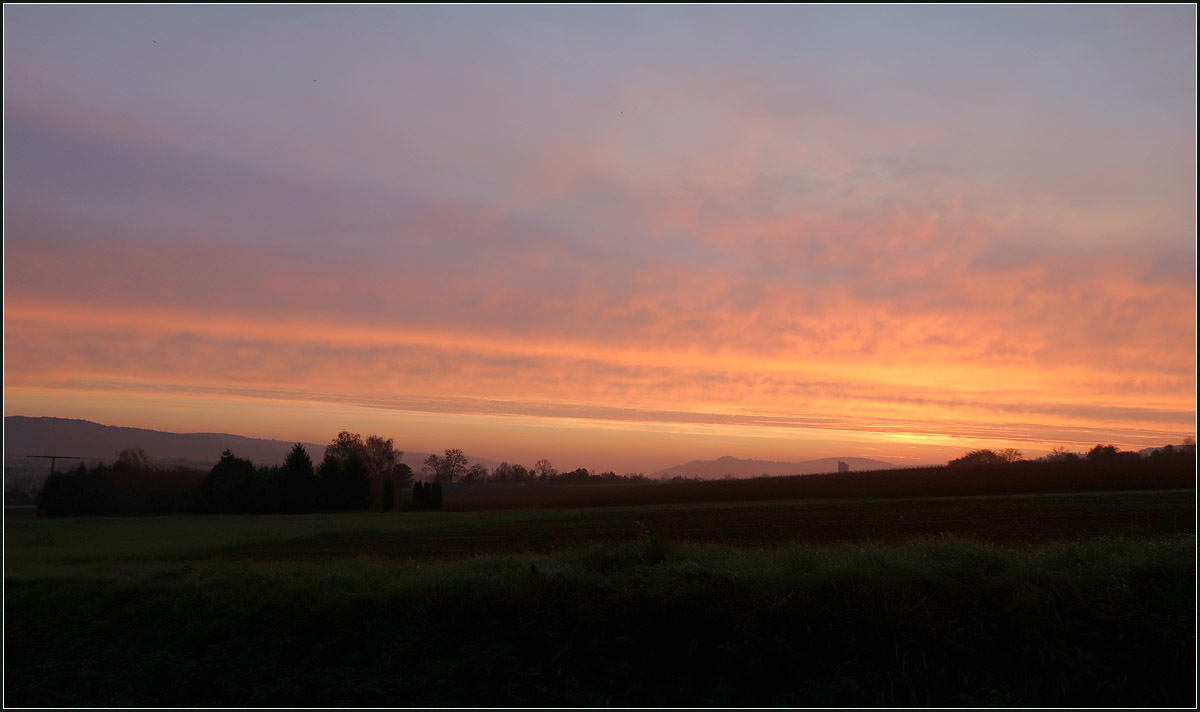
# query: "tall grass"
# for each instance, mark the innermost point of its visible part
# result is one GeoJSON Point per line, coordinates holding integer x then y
{"type": "Point", "coordinates": [1106, 622]}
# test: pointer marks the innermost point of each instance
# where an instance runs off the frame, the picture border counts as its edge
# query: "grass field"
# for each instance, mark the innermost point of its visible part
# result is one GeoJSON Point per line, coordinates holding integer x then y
{"type": "Point", "coordinates": [1058, 600]}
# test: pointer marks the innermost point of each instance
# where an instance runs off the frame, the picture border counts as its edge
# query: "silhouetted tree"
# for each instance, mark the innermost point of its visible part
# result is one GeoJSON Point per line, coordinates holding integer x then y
{"type": "Point", "coordinates": [448, 467]}
{"type": "Point", "coordinates": [343, 476]}
{"type": "Point", "coordinates": [979, 457]}
{"type": "Point", "coordinates": [402, 474]}
{"type": "Point", "coordinates": [432, 465]}
{"type": "Point", "coordinates": [231, 486]}
{"type": "Point", "coordinates": [578, 476]}
{"type": "Point", "coordinates": [381, 456]}
{"type": "Point", "coordinates": [435, 496]}
{"type": "Point", "coordinates": [134, 458]}
{"type": "Point", "coordinates": [1112, 455]}
{"type": "Point", "coordinates": [345, 445]}
{"type": "Point", "coordinates": [476, 473]}
{"type": "Point", "coordinates": [297, 481]}
{"type": "Point", "coordinates": [135, 486]}
{"type": "Point", "coordinates": [1010, 454]}
{"type": "Point", "coordinates": [1061, 454]}
{"type": "Point", "coordinates": [77, 492]}
{"type": "Point", "coordinates": [1164, 451]}
{"type": "Point", "coordinates": [544, 470]}
{"type": "Point", "coordinates": [389, 495]}
{"type": "Point", "coordinates": [505, 472]}
{"type": "Point", "coordinates": [130, 486]}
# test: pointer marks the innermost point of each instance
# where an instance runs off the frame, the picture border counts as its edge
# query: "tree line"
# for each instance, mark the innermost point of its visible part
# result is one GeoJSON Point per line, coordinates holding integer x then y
{"type": "Point", "coordinates": [1098, 454]}
{"type": "Point", "coordinates": [235, 485]}
{"type": "Point", "coordinates": [353, 473]}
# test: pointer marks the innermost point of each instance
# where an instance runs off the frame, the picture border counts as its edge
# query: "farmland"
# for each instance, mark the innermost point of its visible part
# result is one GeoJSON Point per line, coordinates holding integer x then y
{"type": "Point", "coordinates": [1055, 599]}
{"type": "Point", "coordinates": [1017, 519]}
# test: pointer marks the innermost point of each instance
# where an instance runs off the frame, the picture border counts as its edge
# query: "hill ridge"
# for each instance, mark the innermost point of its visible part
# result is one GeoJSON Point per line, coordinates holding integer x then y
{"type": "Point", "coordinates": [47, 435]}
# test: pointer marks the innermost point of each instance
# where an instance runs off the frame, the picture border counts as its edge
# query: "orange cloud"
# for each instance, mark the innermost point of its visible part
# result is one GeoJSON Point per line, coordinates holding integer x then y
{"type": "Point", "coordinates": [788, 280]}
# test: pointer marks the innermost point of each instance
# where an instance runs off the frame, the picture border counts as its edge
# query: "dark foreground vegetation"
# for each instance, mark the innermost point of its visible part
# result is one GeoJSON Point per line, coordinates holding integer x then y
{"type": "Point", "coordinates": [1022, 520]}
{"type": "Point", "coordinates": [986, 583]}
{"type": "Point", "coordinates": [130, 617]}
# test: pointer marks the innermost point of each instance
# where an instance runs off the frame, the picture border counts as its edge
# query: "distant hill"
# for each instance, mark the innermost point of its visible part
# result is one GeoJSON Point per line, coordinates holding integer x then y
{"type": "Point", "coordinates": [1147, 452]}
{"type": "Point", "coordinates": [92, 441]}
{"type": "Point", "coordinates": [736, 467]}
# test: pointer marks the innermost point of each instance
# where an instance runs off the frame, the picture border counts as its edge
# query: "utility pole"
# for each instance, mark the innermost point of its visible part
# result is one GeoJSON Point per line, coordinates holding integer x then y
{"type": "Point", "coordinates": [52, 458]}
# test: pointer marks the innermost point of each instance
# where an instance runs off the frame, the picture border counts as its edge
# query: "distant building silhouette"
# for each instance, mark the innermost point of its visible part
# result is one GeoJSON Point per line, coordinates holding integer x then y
{"type": "Point", "coordinates": [843, 466]}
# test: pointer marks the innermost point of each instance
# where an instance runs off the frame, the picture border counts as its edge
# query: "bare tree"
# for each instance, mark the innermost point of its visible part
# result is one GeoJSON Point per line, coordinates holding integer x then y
{"type": "Point", "coordinates": [456, 465]}
{"type": "Point", "coordinates": [545, 471]}
{"type": "Point", "coordinates": [447, 468]}
{"type": "Point", "coordinates": [381, 456]}
{"type": "Point", "coordinates": [1010, 454]}
{"type": "Point", "coordinates": [432, 466]}
{"type": "Point", "coordinates": [133, 457]}
{"type": "Point", "coordinates": [1062, 454]}
{"type": "Point", "coordinates": [476, 473]}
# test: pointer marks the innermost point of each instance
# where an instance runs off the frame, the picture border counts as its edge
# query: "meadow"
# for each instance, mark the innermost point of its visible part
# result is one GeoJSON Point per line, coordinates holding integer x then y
{"type": "Point", "coordinates": [1083, 599]}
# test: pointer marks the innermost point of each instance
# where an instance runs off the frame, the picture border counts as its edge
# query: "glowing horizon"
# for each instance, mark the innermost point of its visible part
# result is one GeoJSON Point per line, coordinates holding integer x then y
{"type": "Point", "coordinates": [776, 233]}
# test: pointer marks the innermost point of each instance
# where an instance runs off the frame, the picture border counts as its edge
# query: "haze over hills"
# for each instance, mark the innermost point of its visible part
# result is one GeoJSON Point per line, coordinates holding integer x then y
{"type": "Point", "coordinates": [737, 467]}
{"type": "Point", "coordinates": [1148, 451]}
{"type": "Point", "coordinates": [24, 435]}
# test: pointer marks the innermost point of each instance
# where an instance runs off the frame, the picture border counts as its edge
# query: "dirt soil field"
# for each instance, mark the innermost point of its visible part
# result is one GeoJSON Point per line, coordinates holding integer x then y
{"type": "Point", "coordinates": [1015, 520]}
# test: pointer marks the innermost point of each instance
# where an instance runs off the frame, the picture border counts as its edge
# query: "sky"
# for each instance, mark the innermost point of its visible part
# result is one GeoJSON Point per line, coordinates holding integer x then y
{"type": "Point", "coordinates": [618, 238]}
